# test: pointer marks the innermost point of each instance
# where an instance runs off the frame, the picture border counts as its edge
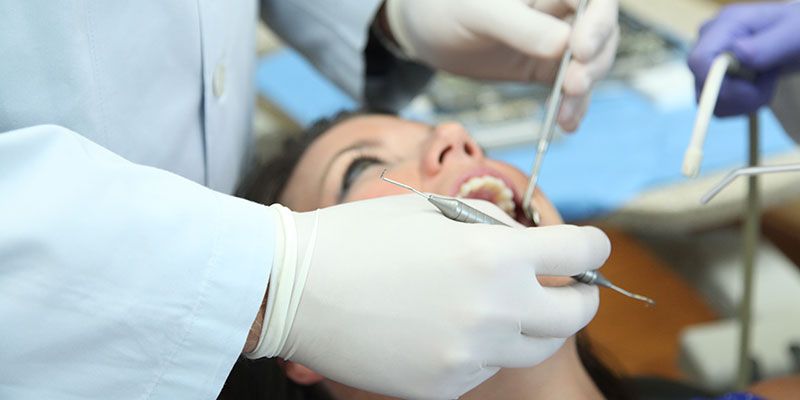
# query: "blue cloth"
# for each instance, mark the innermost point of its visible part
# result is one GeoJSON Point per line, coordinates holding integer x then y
{"type": "Point", "coordinates": [625, 146]}
{"type": "Point", "coordinates": [735, 396]}
{"type": "Point", "coordinates": [310, 97]}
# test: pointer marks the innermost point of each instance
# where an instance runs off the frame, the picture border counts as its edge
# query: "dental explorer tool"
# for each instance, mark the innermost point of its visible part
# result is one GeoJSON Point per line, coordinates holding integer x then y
{"type": "Point", "coordinates": [452, 208]}
{"type": "Point", "coordinates": [460, 211]}
{"type": "Point", "coordinates": [546, 131]}
{"type": "Point", "coordinates": [595, 278]}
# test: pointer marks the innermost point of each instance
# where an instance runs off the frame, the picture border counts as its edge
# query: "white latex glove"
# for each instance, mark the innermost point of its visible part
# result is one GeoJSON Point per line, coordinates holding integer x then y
{"type": "Point", "coordinates": [511, 40]}
{"type": "Point", "coordinates": [402, 301]}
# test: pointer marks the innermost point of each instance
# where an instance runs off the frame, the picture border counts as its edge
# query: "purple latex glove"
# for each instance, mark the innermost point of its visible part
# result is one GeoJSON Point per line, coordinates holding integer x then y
{"type": "Point", "coordinates": [765, 37]}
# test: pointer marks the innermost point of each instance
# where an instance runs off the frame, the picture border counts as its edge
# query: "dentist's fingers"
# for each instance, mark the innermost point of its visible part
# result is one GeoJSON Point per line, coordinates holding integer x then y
{"type": "Point", "coordinates": [525, 351]}
{"type": "Point", "coordinates": [558, 8]}
{"type": "Point", "coordinates": [583, 73]}
{"type": "Point", "coordinates": [527, 30]}
{"type": "Point", "coordinates": [759, 51]}
{"type": "Point", "coordinates": [573, 109]}
{"type": "Point", "coordinates": [579, 80]}
{"type": "Point", "coordinates": [546, 318]}
{"type": "Point", "coordinates": [560, 312]}
{"type": "Point", "coordinates": [594, 30]}
{"type": "Point", "coordinates": [559, 250]}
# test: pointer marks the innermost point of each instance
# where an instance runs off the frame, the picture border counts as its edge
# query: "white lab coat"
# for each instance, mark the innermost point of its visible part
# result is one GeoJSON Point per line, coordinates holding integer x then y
{"type": "Point", "coordinates": [121, 275]}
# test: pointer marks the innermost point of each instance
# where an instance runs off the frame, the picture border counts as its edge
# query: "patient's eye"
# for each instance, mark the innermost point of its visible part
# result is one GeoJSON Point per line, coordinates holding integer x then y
{"type": "Point", "coordinates": [354, 170]}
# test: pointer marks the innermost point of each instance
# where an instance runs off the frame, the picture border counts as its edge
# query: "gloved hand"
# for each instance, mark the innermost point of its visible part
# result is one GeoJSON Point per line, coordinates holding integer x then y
{"type": "Point", "coordinates": [402, 301]}
{"type": "Point", "coordinates": [764, 37]}
{"type": "Point", "coordinates": [511, 40]}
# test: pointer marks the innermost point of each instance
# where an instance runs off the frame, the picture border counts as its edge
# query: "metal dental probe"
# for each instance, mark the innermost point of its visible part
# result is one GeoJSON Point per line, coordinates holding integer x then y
{"type": "Point", "coordinates": [595, 278]}
{"type": "Point", "coordinates": [452, 208]}
{"type": "Point", "coordinates": [460, 211]}
{"type": "Point", "coordinates": [546, 132]}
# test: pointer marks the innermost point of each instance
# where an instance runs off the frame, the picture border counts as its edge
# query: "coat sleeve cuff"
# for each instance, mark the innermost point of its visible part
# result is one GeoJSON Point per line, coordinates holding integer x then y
{"type": "Point", "coordinates": [237, 275]}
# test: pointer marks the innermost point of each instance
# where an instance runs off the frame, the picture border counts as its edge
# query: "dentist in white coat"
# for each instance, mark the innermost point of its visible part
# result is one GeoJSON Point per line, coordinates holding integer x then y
{"type": "Point", "coordinates": [128, 272]}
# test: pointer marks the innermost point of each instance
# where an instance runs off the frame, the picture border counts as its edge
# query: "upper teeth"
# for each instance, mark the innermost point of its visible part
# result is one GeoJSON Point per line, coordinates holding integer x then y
{"type": "Point", "coordinates": [502, 196]}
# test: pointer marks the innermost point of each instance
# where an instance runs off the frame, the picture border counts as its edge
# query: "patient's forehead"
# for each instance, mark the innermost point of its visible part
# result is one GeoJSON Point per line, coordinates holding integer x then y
{"type": "Point", "coordinates": [304, 189]}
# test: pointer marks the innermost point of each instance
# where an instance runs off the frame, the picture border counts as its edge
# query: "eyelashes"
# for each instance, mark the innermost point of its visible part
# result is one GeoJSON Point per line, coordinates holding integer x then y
{"type": "Point", "coordinates": [354, 170]}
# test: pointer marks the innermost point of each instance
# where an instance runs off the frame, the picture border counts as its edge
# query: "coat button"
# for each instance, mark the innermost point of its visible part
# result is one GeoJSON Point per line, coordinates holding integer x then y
{"type": "Point", "coordinates": [218, 80]}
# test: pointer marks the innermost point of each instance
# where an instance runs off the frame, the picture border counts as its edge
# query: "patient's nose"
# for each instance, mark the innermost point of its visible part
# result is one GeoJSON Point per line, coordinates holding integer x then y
{"type": "Point", "coordinates": [449, 141]}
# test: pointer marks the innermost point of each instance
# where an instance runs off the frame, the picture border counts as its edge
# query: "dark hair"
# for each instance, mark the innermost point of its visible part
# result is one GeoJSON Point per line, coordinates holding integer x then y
{"type": "Point", "coordinates": [265, 181]}
{"type": "Point", "coordinates": [264, 379]}
{"type": "Point", "coordinates": [606, 379]}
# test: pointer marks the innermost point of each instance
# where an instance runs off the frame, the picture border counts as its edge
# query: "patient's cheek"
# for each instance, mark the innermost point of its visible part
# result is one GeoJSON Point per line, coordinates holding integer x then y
{"type": "Point", "coordinates": [550, 217]}
{"type": "Point", "coordinates": [373, 191]}
{"type": "Point", "coordinates": [300, 374]}
{"type": "Point", "coordinates": [547, 211]}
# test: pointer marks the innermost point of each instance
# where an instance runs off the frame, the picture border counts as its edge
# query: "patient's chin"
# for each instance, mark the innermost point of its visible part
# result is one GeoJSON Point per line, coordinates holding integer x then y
{"type": "Point", "coordinates": [301, 374]}
{"type": "Point", "coordinates": [555, 281]}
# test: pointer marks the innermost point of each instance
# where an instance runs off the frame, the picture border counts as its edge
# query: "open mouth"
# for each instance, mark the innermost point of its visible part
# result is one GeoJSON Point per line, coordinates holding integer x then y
{"type": "Point", "coordinates": [496, 190]}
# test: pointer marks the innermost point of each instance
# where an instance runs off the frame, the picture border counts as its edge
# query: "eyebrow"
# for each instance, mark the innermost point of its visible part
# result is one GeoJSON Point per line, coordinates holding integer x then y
{"type": "Point", "coordinates": [364, 143]}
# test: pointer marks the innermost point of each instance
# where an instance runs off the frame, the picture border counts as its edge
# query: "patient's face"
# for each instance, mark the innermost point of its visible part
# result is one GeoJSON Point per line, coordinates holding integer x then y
{"type": "Point", "coordinates": [345, 164]}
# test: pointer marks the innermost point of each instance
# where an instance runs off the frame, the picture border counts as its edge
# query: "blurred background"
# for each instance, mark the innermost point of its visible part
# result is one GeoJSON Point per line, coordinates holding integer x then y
{"type": "Point", "coordinates": [621, 171]}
